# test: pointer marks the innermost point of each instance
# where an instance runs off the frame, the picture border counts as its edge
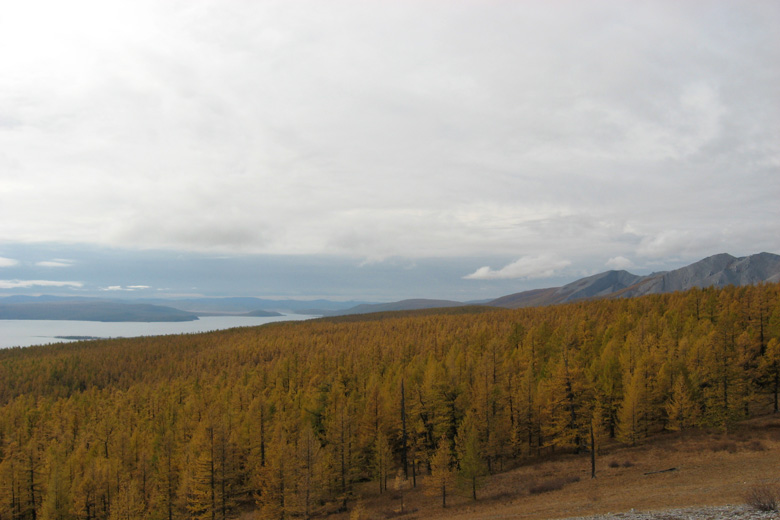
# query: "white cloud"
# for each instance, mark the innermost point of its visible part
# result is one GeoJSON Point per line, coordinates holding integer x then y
{"type": "Point", "coordinates": [55, 263]}
{"type": "Point", "coordinates": [529, 267]}
{"type": "Point", "coordinates": [26, 284]}
{"type": "Point", "coordinates": [125, 288]}
{"type": "Point", "coordinates": [619, 263]}
{"type": "Point", "coordinates": [8, 262]}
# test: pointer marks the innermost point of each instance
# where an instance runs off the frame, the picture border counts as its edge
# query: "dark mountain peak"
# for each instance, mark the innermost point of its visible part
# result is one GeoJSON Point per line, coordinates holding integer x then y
{"type": "Point", "coordinates": [714, 271]}
{"type": "Point", "coordinates": [711, 264]}
{"type": "Point", "coordinates": [597, 285]}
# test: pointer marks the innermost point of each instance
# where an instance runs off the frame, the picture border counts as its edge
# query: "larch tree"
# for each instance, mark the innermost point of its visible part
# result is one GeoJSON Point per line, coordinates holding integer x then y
{"type": "Point", "coordinates": [383, 456]}
{"type": "Point", "coordinates": [681, 408]}
{"type": "Point", "coordinates": [631, 413]}
{"type": "Point", "coordinates": [442, 477]}
{"type": "Point", "coordinates": [199, 487]}
{"type": "Point", "coordinates": [471, 463]}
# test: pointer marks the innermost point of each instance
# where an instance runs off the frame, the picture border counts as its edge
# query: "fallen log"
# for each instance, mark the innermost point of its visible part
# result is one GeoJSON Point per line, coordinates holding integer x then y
{"type": "Point", "coordinates": [661, 471]}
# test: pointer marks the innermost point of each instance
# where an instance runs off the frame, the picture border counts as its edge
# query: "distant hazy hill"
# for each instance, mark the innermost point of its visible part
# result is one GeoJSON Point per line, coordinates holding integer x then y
{"type": "Point", "coordinates": [89, 310]}
{"type": "Point", "coordinates": [403, 305]}
{"type": "Point", "coordinates": [263, 314]}
{"type": "Point", "coordinates": [243, 305]}
{"type": "Point", "coordinates": [718, 271]}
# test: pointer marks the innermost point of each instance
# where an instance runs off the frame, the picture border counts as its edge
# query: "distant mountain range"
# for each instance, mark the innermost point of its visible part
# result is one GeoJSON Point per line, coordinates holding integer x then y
{"type": "Point", "coordinates": [89, 310]}
{"type": "Point", "coordinates": [47, 307]}
{"type": "Point", "coordinates": [244, 305]}
{"type": "Point", "coordinates": [714, 271]}
{"type": "Point", "coordinates": [718, 271]}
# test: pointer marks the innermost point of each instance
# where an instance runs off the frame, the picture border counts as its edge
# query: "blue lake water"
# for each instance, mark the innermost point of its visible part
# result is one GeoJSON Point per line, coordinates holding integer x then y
{"type": "Point", "coordinates": [24, 333]}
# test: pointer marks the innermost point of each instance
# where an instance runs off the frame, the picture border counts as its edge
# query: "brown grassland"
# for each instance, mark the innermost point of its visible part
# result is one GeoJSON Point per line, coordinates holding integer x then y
{"type": "Point", "coordinates": [711, 468]}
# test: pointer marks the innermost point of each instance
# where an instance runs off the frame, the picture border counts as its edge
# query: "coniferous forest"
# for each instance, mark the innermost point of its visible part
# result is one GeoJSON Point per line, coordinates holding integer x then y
{"type": "Point", "coordinates": [288, 418]}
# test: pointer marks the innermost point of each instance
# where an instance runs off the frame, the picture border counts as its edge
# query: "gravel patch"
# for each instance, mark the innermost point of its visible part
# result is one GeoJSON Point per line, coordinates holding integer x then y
{"type": "Point", "coordinates": [690, 513]}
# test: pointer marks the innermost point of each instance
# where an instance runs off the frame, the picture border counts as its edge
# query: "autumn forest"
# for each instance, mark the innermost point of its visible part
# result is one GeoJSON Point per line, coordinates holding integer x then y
{"type": "Point", "coordinates": [287, 419]}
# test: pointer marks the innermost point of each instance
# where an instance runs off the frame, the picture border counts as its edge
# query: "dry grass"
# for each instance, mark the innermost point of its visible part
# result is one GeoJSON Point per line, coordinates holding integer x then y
{"type": "Point", "coordinates": [706, 474]}
{"type": "Point", "coordinates": [552, 485]}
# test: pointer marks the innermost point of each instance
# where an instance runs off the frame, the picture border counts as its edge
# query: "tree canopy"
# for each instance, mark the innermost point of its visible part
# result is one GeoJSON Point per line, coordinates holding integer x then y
{"type": "Point", "coordinates": [288, 417]}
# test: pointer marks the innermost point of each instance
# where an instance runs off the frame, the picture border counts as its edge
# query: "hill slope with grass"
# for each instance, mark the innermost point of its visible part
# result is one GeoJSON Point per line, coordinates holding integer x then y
{"type": "Point", "coordinates": [714, 475]}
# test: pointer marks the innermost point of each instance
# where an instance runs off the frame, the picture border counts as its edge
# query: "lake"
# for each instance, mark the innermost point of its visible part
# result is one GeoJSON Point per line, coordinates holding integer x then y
{"type": "Point", "coordinates": [24, 333]}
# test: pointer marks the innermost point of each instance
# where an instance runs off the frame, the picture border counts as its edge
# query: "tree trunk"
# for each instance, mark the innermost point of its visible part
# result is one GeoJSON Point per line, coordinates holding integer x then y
{"type": "Point", "coordinates": [404, 457]}
{"type": "Point", "coordinates": [592, 452]}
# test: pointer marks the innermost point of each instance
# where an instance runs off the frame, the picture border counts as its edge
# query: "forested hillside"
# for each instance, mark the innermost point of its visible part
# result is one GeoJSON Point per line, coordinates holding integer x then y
{"type": "Point", "coordinates": [287, 418]}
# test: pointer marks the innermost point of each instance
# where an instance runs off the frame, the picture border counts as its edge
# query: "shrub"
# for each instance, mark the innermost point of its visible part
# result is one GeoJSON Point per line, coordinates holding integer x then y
{"type": "Point", "coordinates": [756, 446]}
{"type": "Point", "coordinates": [762, 498]}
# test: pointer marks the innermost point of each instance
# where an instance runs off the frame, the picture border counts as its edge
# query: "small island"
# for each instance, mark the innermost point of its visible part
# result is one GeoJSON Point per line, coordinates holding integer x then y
{"type": "Point", "coordinates": [260, 313]}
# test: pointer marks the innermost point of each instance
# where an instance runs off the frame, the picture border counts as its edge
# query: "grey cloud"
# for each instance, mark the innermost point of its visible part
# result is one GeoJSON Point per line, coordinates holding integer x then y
{"type": "Point", "coordinates": [585, 131]}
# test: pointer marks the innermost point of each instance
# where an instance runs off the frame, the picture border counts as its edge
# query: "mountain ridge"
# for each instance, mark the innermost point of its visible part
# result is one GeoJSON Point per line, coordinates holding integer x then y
{"type": "Point", "coordinates": [713, 271]}
{"type": "Point", "coordinates": [717, 270]}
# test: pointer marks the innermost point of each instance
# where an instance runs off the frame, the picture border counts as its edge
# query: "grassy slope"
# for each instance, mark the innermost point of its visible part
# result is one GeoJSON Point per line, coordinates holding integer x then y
{"type": "Point", "coordinates": [712, 469]}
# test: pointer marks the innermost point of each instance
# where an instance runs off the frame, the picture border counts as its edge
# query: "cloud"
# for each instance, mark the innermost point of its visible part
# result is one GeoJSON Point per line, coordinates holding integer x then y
{"type": "Point", "coordinates": [619, 263]}
{"type": "Point", "coordinates": [528, 267]}
{"type": "Point", "coordinates": [26, 284]}
{"type": "Point", "coordinates": [673, 242]}
{"type": "Point", "coordinates": [55, 263]}
{"type": "Point", "coordinates": [8, 262]}
{"type": "Point", "coordinates": [125, 288]}
{"type": "Point", "coordinates": [388, 130]}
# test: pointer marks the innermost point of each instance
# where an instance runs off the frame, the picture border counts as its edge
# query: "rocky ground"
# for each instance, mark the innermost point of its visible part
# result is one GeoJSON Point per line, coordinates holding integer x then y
{"type": "Point", "coordinates": [693, 513]}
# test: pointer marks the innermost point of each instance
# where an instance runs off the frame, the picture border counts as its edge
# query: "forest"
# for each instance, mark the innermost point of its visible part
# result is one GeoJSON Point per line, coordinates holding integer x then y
{"type": "Point", "coordinates": [285, 420]}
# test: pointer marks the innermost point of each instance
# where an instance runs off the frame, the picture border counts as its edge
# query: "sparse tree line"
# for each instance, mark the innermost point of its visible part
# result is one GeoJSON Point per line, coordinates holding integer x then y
{"type": "Point", "coordinates": [288, 418]}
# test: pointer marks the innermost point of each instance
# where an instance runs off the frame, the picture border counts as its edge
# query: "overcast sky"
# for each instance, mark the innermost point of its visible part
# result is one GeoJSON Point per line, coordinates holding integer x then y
{"type": "Point", "coordinates": [381, 149]}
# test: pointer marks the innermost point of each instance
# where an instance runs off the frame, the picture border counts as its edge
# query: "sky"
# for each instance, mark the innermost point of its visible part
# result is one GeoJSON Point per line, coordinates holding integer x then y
{"type": "Point", "coordinates": [380, 150]}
